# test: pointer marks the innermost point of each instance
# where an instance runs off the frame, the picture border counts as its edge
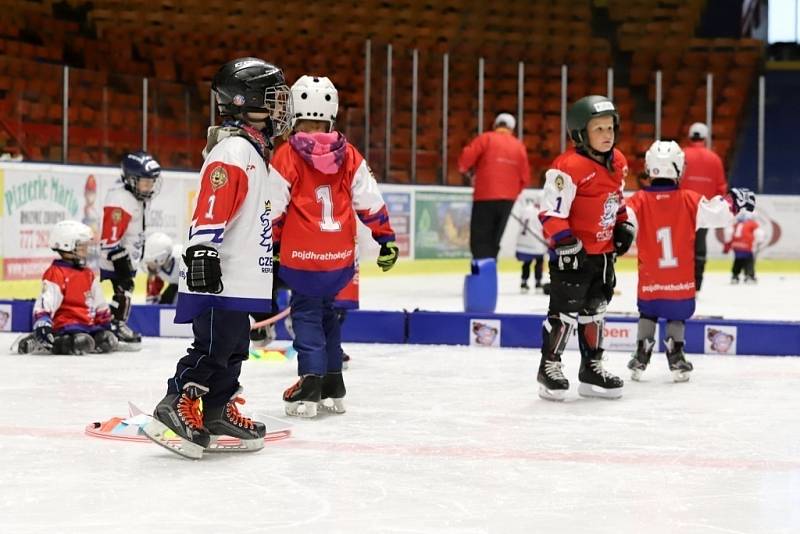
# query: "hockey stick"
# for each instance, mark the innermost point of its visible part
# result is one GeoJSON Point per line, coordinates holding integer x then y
{"type": "Point", "coordinates": [274, 319]}
{"type": "Point", "coordinates": [528, 228]}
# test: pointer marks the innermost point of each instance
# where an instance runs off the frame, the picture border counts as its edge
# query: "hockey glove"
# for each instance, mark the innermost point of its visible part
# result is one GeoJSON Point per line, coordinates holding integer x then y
{"type": "Point", "coordinates": [624, 234]}
{"type": "Point", "coordinates": [203, 271]}
{"type": "Point", "coordinates": [388, 255]}
{"type": "Point", "coordinates": [122, 262]}
{"type": "Point", "coordinates": [570, 255]}
{"type": "Point", "coordinates": [743, 199]}
{"type": "Point", "coordinates": [43, 332]}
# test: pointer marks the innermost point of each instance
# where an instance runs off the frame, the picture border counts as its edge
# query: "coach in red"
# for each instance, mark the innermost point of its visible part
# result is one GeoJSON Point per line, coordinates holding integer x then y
{"type": "Point", "coordinates": [499, 163]}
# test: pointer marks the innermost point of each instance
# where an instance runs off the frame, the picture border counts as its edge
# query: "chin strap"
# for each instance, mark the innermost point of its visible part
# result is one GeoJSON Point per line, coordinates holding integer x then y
{"type": "Point", "coordinates": [607, 157]}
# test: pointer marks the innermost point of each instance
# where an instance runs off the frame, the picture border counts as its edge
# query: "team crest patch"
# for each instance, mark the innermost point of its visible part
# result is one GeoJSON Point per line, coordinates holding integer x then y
{"type": "Point", "coordinates": [559, 182]}
{"type": "Point", "coordinates": [116, 215]}
{"type": "Point", "coordinates": [219, 177]}
{"type": "Point", "coordinates": [610, 208]}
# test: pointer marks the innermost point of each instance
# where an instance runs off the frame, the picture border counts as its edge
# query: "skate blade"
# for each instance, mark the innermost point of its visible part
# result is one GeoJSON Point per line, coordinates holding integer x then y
{"type": "Point", "coordinates": [680, 376]}
{"type": "Point", "coordinates": [556, 395]}
{"type": "Point", "coordinates": [244, 445]}
{"type": "Point", "coordinates": [303, 409]}
{"type": "Point", "coordinates": [590, 390]}
{"type": "Point", "coordinates": [332, 405]}
{"type": "Point", "coordinates": [128, 347]}
{"type": "Point", "coordinates": [636, 374]}
{"type": "Point", "coordinates": [156, 431]}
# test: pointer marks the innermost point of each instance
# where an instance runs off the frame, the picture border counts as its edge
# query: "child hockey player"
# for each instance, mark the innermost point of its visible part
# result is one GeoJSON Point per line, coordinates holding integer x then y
{"type": "Point", "coordinates": [162, 261]}
{"type": "Point", "coordinates": [666, 218]}
{"type": "Point", "coordinates": [319, 183]}
{"type": "Point", "coordinates": [71, 315]}
{"type": "Point", "coordinates": [228, 262]}
{"type": "Point", "coordinates": [531, 246]}
{"type": "Point", "coordinates": [744, 239]}
{"type": "Point", "coordinates": [121, 241]}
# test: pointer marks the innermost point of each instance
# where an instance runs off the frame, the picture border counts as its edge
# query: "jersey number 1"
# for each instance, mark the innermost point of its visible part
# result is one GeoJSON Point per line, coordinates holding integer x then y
{"type": "Point", "coordinates": [324, 197]}
{"type": "Point", "coordinates": [667, 259]}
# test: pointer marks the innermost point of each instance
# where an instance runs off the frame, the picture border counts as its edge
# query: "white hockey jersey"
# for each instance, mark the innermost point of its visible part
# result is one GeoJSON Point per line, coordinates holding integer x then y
{"type": "Point", "coordinates": [530, 240]}
{"type": "Point", "coordinates": [233, 214]}
{"type": "Point", "coordinates": [124, 223]}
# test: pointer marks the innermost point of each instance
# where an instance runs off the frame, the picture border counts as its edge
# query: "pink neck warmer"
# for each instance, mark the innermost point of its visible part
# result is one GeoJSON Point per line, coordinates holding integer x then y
{"type": "Point", "coordinates": [323, 151]}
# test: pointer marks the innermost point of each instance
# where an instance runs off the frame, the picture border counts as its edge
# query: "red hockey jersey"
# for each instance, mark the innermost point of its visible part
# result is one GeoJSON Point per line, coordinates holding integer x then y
{"type": "Point", "coordinates": [582, 198]}
{"type": "Point", "coordinates": [71, 299]}
{"type": "Point", "coordinates": [666, 218]}
{"type": "Point", "coordinates": [746, 235]}
{"type": "Point", "coordinates": [319, 184]}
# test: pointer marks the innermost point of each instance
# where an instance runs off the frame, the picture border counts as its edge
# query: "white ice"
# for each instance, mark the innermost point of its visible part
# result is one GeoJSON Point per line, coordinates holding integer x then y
{"type": "Point", "coordinates": [435, 439]}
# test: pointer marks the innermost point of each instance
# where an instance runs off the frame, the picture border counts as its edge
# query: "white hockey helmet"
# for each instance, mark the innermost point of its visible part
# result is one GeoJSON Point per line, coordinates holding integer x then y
{"type": "Point", "coordinates": [315, 98]}
{"type": "Point", "coordinates": [67, 235]}
{"type": "Point", "coordinates": [664, 159]}
{"type": "Point", "coordinates": [157, 248]}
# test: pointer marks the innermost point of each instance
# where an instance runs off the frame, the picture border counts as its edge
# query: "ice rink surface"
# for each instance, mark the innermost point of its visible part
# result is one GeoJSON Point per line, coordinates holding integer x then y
{"type": "Point", "coordinates": [435, 439]}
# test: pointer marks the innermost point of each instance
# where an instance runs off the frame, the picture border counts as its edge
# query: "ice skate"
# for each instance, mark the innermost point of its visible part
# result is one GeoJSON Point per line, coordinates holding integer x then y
{"type": "Point", "coordinates": [595, 381]}
{"type": "Point", "coordinates": [332, 394]}
{"type": "Point", "coordinates": [680, 367]}
{"type": "Point", "coordinates": [303, 397]}
{"type": "Point", "coordinates": [226, 420]}
{"type": "Point", "coordinates": [345, 361]}
{"type": "Point", "coordinates": [750, 280]}
{"type": "Point", "coordinates": [524, 287]}
{"type": "Point", "coordinates": [734, 280]}
{"type": "Point", "coordinates": [641, 358]}
{"type": "Point", "coordinates": [128, 339]}
{"type": "Point", "coordinates": [553, 385]}
{"type": "Point", "coordinates": [180, 413]}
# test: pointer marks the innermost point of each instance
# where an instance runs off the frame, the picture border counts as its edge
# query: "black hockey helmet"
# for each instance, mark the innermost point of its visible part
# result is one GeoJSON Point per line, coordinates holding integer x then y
{"type": "Point", "coordinates": [584, 110]}
{"type": "Point", "coordinates": [138, 165]}
{"type": "Point", "coordinates": [251, 85]}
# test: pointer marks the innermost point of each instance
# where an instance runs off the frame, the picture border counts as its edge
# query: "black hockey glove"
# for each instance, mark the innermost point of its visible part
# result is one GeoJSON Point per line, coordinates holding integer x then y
{"type": "Point", "coordinates": [43, 332]}
{"type": "Point", "coordinates": [387, 257]}
{"type": "Point", "coordinates": [122, 262]}
{"type": "Point", "coordinates": [743, 199]}
{"type": "Point", "coordinates": [570, 255]}
{"type": "Point", "coordinates": [624, 234]}
{"type": "Point", "coordinates": [203, 271]}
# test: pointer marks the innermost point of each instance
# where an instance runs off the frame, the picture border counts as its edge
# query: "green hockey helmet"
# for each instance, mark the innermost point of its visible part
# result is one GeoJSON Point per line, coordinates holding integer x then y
{"type": "Point", "coordinates": [584, 110]}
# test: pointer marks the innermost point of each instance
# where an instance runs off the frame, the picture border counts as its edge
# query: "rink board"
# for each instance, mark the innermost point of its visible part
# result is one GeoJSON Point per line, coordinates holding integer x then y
{"type": "Point", "coordinates": [703, 335]}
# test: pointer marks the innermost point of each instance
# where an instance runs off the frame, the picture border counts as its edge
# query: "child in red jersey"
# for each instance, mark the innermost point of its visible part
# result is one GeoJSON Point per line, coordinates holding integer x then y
{"type": "Point", "coordinates": [666, 219]}
{"type": "Point", "coordinates": [583, 217]}
{"type": "Point", "coordinates": [71, 315]}
{"type": "Point", "coordinates": [320, 182]}
{"type": "Point", "coordinates": [744, 239]}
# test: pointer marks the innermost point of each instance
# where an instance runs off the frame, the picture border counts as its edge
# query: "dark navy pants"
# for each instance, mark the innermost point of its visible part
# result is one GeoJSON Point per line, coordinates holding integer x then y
{"type": "Point", "coordinates": [317, 335]}
{"type": "Point", "coordinates": [214, 360]}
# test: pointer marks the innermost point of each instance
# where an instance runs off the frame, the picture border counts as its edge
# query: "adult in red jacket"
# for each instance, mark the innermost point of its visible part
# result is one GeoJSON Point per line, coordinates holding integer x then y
{"type": "Point", "coordinates": [705, 174]}
{"type": "Point", "coordinates": [501, 171]}
{"type": "Point", "coordinates": [584, 218]}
